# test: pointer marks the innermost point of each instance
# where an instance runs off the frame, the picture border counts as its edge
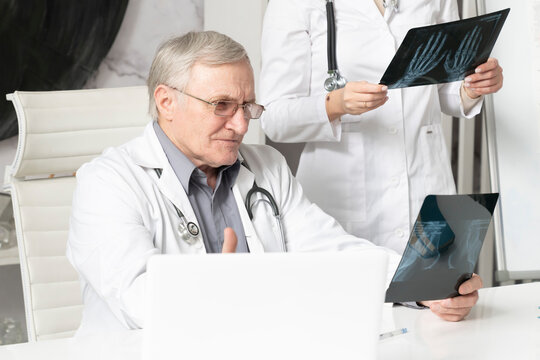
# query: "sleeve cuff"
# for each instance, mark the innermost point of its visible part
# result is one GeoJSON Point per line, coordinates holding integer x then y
{"type": "Point", "coordinates": [467, 102]}
{"type": "Point", "coordinates": [334, 127]}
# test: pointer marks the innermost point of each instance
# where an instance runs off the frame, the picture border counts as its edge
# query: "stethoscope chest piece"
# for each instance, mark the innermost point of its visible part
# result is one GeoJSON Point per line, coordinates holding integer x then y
{"type": "Point", "coordinates": [334, 81]}
{"type": "Point", "coordinates": [189, 232]}
{"type": "Point", "coordinates": [193, 228]}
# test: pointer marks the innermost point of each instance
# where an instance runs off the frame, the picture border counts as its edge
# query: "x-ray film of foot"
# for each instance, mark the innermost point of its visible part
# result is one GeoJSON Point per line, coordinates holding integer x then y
{"type": "Point", "coordinates": [425, 59]}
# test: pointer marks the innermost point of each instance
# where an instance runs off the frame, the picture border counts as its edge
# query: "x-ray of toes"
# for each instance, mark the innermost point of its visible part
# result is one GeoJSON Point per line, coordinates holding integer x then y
{"type": "Point", "coordinates": [444, 53]}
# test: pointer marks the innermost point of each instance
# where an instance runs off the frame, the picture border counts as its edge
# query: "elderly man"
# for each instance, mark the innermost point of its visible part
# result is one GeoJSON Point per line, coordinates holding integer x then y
{"type": "Point", "coordinates": [188, 185]}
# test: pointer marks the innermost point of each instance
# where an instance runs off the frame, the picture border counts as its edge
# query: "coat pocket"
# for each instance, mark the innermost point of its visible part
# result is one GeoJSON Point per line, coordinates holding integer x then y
{"type": "Point", "coordinates": [438, 178]}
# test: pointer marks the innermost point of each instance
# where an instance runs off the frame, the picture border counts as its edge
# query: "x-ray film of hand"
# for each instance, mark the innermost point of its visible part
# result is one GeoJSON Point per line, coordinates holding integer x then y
{"type": "Point", "coordinates": [425, 59]}
{"type": "Point", "coordinates": [457, 65]}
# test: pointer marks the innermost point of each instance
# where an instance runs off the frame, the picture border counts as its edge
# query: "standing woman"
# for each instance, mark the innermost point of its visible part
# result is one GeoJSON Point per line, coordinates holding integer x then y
{"type": "Point", "coordinates": [372, 155]}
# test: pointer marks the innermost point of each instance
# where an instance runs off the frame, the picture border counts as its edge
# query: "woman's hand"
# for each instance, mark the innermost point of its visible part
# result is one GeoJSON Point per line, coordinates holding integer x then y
{"type": "Point", "coordinates": [487, 79]}
{"type": "Point", "coordinates": [357, 97]}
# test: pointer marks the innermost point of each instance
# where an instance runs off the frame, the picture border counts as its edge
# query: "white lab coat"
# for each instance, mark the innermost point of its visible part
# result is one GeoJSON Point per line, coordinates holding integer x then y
{"type": "Point", "coordinates": [123, 213]}
{"type": "Point", "coordinates": [372, 171]}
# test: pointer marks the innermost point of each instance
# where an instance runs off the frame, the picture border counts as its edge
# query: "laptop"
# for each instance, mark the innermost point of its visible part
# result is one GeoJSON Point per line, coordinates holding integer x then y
{"type": "Point", "coordinates": [324, 305]}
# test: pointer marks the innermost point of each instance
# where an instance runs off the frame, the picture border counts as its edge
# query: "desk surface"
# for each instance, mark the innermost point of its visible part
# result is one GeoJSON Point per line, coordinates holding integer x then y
{"type": "Point", "coordinates": [505, 324]}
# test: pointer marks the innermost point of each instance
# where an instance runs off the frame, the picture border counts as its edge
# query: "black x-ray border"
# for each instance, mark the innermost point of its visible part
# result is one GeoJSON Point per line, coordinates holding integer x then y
{"type": "Point", "coordinates": [445, 52]}
{"type": "Point", "coordinates": [443, 247]}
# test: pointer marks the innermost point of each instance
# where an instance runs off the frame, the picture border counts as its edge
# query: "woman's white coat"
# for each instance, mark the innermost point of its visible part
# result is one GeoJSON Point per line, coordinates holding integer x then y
{"type": "Point", "coordinates": [371, 171]}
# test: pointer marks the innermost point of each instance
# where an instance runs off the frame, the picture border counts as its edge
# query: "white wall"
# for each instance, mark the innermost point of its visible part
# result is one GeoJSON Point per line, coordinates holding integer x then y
{"type": "Point", "coordinates": [517, 123]}
{"type": "Point", "coordinates": [146, 24]}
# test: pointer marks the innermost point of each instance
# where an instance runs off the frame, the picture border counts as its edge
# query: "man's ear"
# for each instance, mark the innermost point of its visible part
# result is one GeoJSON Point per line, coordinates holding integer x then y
{"type": "Point", "coordinates": [165, 102]}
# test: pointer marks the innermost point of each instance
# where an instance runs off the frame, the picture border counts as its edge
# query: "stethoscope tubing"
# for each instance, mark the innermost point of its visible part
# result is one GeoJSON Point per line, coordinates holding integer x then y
{"type": "Point", "coordinates": [331, 36]}
{"type": "Point", "coordinates": [256, 189]}
{"type": "Point", "coordinates": [334, 80]}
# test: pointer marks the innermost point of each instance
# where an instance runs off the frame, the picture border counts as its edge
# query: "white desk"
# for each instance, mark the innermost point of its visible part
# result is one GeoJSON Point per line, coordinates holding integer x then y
{"type": "Point", "coordinates": [504, 325]}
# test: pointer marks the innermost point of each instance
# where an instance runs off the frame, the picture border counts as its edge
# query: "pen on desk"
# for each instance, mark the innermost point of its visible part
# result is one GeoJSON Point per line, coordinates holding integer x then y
{"type": "Point", "coordinates": [392, 333]}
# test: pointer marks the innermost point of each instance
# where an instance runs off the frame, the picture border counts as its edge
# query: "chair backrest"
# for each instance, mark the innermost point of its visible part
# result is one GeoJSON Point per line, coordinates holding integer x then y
{"type": "Point", "coordinates": [58, 132]}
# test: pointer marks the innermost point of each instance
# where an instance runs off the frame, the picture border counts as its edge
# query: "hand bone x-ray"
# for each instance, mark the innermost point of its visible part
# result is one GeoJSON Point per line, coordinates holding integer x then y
{"type": "Point", "coordinates": [459, 62]}
{"type": "Point", "coordinates": [445, 52]}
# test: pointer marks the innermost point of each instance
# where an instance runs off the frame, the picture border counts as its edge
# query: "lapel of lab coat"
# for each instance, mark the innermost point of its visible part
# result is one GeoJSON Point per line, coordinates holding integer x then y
{"type": "Point", "coordinates": [243, 184]}
{"type": "Point", "coordinates": [150, 154]}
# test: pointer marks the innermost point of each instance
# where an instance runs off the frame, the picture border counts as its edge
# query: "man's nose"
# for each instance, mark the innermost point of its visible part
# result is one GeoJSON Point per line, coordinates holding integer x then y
{"type": "Point", "coordinates": [238, 122]}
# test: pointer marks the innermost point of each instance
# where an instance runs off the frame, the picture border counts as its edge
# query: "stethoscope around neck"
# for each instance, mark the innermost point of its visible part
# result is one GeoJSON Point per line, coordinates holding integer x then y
{"type": "Point", "coordinates": [334, 80]}
{"type": "Point", "coordinates": [189, 231]}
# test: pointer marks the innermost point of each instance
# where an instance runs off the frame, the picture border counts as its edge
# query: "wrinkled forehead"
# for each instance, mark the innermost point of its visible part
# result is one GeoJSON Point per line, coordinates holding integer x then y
{"type": "Point", "coordinates": [232, 80]}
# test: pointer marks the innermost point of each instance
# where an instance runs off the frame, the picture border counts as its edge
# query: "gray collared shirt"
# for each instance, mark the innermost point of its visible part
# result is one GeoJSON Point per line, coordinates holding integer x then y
{"type": "Point", "coordinates": [215, 209]}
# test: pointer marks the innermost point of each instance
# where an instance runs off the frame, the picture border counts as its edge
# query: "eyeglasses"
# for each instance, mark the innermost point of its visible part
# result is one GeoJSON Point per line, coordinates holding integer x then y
{"type": "Point", "coordinates": [229, 108]}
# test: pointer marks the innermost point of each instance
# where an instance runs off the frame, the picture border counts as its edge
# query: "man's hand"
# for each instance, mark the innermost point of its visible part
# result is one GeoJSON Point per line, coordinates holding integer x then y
{"type": "Point", "coordinates": [455, 309]}
{"type": "Point", "coordinates": [229, 241]}
{"type": "Point", "coordinates": [487, 79]}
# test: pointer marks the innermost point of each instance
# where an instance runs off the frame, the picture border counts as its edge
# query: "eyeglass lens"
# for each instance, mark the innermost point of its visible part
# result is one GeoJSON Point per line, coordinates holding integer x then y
{"type": "Point", "coordinates": [227, 108]}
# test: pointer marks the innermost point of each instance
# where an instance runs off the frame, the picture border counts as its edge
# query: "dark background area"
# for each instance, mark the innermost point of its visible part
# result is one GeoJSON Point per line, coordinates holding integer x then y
{"type": "Point", "coordinates": [52, 45]}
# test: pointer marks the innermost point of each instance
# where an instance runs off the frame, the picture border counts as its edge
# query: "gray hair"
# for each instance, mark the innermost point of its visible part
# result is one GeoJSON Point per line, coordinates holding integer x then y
{"type": "Point", "coordinates": [175, 58]}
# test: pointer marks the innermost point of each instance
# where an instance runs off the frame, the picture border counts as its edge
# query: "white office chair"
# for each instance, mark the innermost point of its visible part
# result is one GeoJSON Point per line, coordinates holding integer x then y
{"type": "Point", "coordinates": [58, 132]}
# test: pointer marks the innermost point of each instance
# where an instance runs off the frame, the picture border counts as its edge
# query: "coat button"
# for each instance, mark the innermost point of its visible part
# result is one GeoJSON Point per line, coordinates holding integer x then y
{"type": "Point", "coordinates": [399, 233]}
{"type": "Point", "coordinates": [393, 130]}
